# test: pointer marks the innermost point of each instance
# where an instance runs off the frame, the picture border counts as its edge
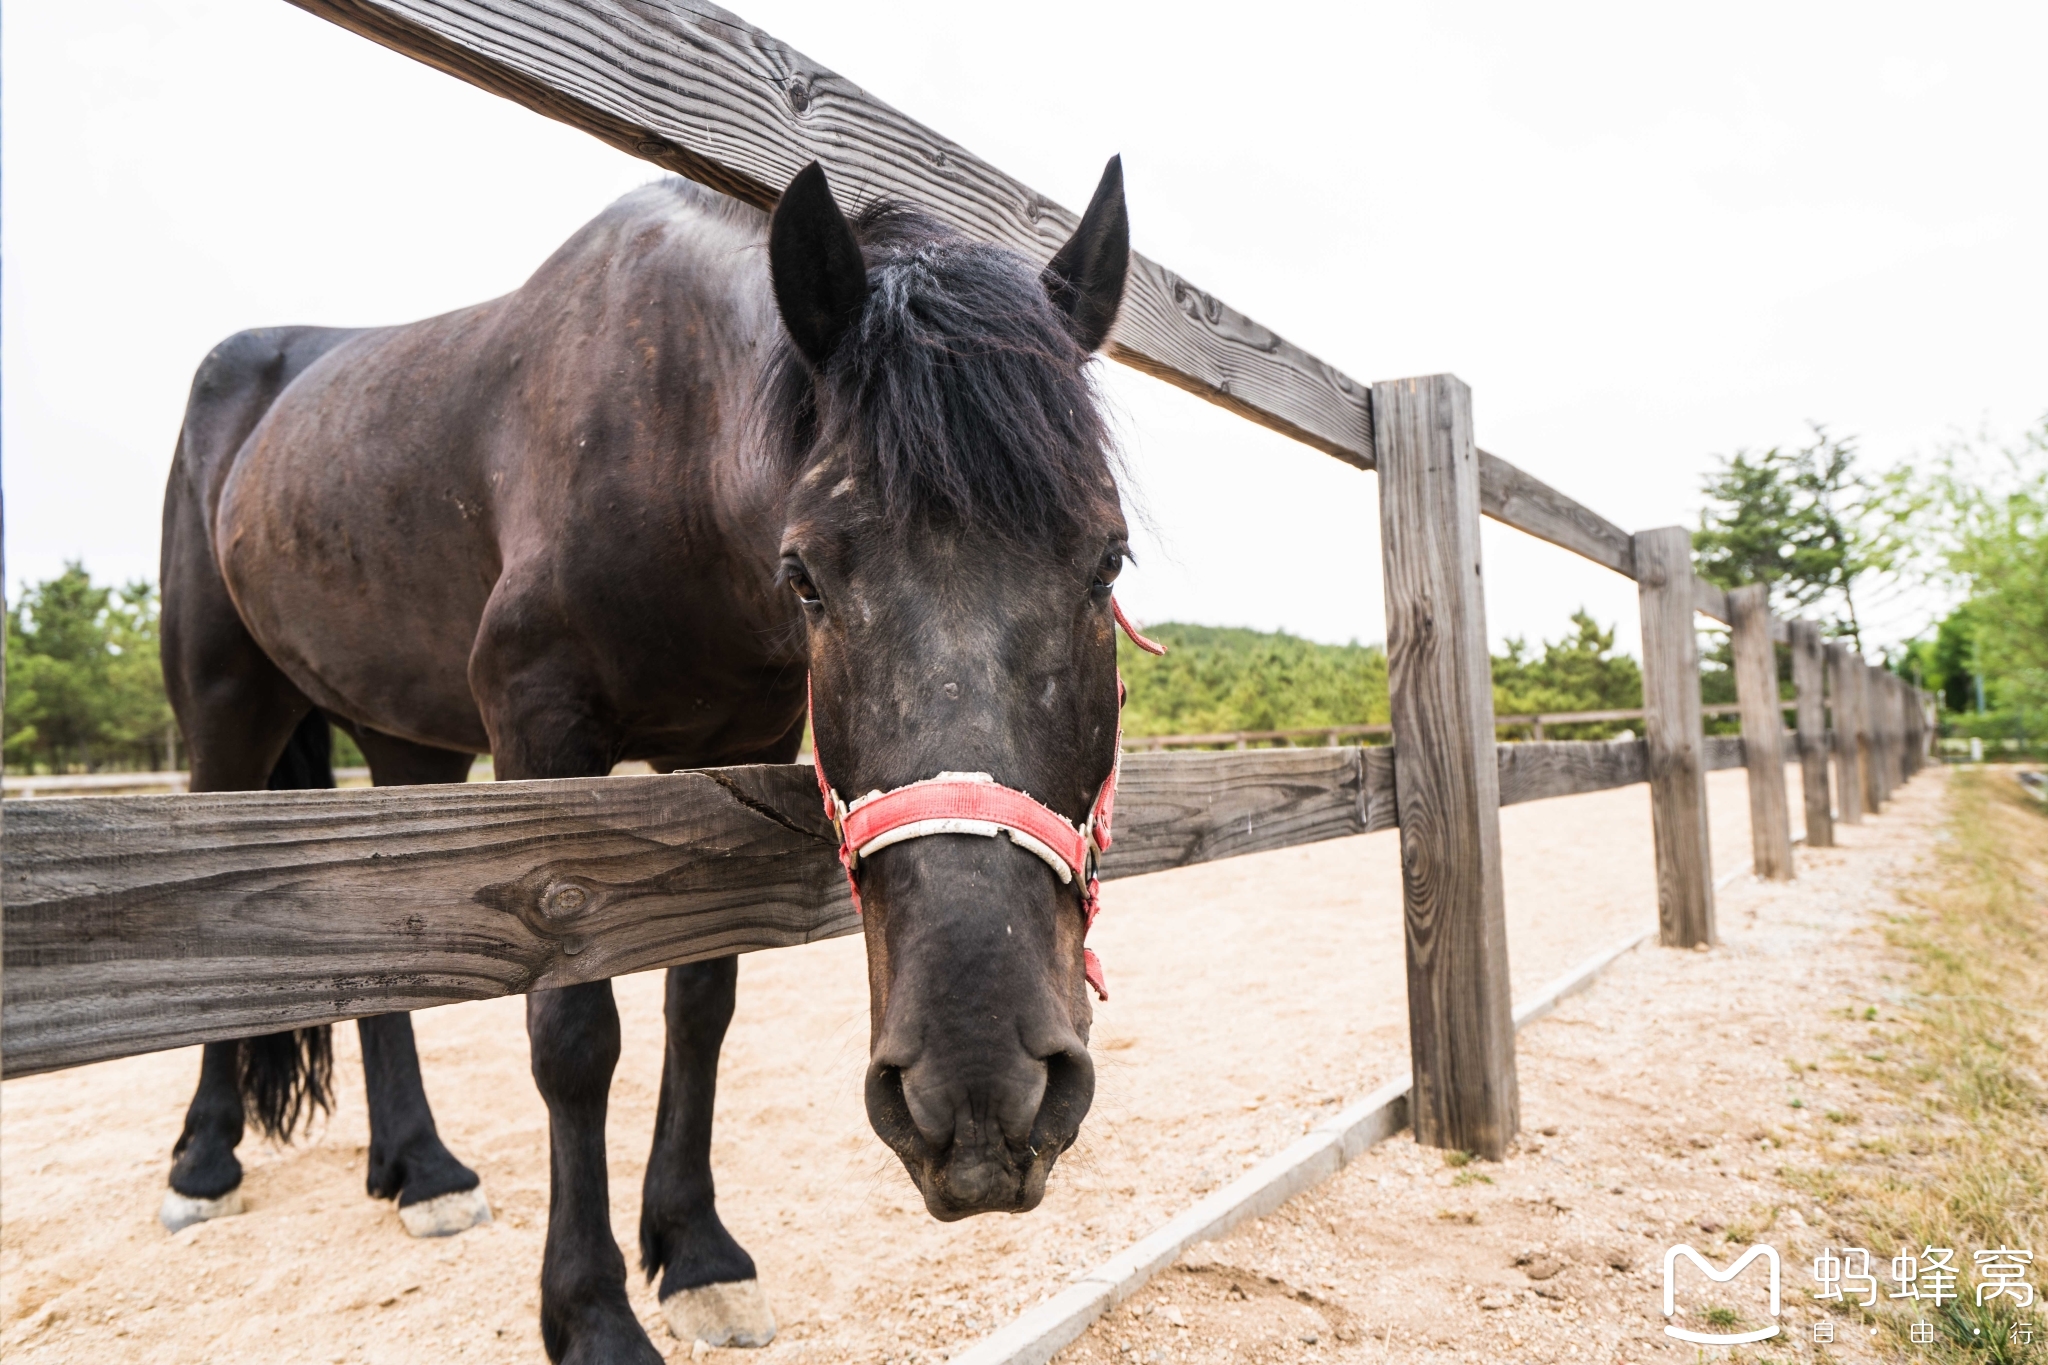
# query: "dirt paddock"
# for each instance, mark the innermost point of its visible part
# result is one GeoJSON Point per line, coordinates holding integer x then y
{"type": "Point", "coordinates": [1248, 999]}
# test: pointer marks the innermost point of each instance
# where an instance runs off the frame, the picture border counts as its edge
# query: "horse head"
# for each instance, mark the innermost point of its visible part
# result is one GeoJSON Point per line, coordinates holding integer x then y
{"type": "Point", "coordinates": [951, 535]}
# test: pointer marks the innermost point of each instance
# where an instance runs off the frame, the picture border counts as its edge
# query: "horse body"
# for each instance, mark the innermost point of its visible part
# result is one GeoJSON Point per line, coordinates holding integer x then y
{"type": "Point", "coordinates": [704, 462]}
{"type": "Point", "coordinates": [427, 512]}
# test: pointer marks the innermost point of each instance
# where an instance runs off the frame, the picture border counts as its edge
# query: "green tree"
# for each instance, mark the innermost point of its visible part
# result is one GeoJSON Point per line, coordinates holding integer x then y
{"type": "Point", "coordinates": [1985, 514]}
{"type": "Point", "coordinates": [1219, 679]}
{"type": "Point", "coordinates": [1803, 522]}
{"type": "Point", "coordinates": [84, 687]}
{"type": "Point", "coordinates": [1216, 678]}
{"type": "Point", "coordinates": [1579, 672]}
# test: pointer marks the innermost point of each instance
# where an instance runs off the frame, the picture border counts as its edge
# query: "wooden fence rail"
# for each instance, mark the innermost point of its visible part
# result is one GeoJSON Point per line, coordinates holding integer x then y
{"type": "Point", "coordinates": [1534, 721]}
{"type": "Point", "coordinates": [136, 923]}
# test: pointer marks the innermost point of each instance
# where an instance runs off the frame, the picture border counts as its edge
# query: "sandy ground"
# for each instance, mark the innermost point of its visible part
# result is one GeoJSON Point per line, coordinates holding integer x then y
{"type": "Point", "coordinates": [1248, 999]}
{"type": "Point", "coordinates": [1658, 1107]}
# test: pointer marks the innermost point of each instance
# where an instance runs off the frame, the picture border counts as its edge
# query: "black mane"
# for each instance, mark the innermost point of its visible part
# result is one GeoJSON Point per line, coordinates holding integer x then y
{"type": "Point", "coordinates": [961, 395]}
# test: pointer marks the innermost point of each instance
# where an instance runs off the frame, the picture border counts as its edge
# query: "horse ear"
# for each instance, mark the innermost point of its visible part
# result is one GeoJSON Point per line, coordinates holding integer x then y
{"type": "Point", "coordinates": [1086, 277]}
{"type": "Point", "coordinates": [821, 282]}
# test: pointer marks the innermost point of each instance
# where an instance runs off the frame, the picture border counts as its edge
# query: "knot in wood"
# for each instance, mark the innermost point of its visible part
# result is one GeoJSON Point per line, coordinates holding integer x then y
{"type": "Point", "coordinates": [564, 900]}
{"type": "Point", "coordinates": [649, 147]}
{"type": "Point", "coordinates": [799, 94]}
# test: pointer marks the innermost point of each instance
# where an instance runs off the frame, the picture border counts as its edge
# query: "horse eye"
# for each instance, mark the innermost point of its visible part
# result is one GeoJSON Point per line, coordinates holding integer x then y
{"type": "Point", "coordinates": [806, 591]}
{"type": "Point", "coordinates": [1112, 565]}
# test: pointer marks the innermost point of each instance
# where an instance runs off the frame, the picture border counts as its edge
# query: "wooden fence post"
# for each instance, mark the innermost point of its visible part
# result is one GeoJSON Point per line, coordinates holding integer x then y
{"type": "Point", "coordinates": [1763, 731]}
{"type": "Point", "coordinates": [1916, 721]}
{"type": "Point", "coordinates": [1842, 671]}
{"type": "Point", "coordinates": [1807, 672]}
{"type": "Point", "coordinates": [1876, 767]}
{"type": "Point", "coordinates": [1461, 1032]}
{"type": "Point", "coordinates": [1902, 726]}
{"type": "Point", "coordinates": [1893, 729]}
{"type": "Point", "coordinates": [1671, 730]}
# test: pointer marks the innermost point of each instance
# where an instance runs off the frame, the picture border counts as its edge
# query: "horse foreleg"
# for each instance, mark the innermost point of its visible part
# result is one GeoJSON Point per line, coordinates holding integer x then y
{"type": "Point", "coordinates": [206, 1176]}
{"type": "Point", "coordinates": [584, 1313]}
{"type": "Point", "coordinates": [709, 1292]}
{"type": "Point", "coordinates": [437, 1195]}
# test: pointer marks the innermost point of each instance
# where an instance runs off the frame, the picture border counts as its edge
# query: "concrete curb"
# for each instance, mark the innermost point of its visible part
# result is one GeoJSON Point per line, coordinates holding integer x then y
{"type": "Point", "coordinates": [1037, 1335]}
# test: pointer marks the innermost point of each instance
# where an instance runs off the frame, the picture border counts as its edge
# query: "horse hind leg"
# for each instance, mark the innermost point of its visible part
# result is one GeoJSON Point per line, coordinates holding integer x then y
{"type": "Point", "coordinates": [246, 727]}
{"type": "Point", "coordinates": [276, 1079]}
{"type": "Point", "coordinates": [438, 1196]}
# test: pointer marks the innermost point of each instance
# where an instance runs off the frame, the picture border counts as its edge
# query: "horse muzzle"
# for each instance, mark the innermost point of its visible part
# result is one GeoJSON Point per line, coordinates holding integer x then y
{"type": "Point", "coordinates": [980, 1139]}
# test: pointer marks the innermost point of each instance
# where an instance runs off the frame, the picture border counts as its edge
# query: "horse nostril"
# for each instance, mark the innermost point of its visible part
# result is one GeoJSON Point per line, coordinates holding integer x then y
{"type": "Point", "coordinates": [1069, 1090]}
{"type": "Point", "coordinates": [889, 1111]}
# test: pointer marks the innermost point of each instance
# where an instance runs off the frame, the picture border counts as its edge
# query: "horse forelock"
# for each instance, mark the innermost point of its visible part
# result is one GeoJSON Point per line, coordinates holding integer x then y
{"type": "Point", "coordinates": [960, 395]}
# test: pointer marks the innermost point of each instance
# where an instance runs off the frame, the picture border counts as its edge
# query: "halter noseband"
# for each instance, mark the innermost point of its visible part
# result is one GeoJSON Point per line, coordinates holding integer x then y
{"type": "Point", "coordinates": [975, 803]}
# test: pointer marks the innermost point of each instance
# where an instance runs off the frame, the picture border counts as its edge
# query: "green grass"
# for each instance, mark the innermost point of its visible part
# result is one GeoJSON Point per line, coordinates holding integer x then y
{"type": "Point", "coordinates": [1969, 1169]}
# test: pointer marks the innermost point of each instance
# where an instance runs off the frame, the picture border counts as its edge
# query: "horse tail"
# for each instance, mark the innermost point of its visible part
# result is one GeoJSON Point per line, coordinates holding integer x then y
{"type": "Point", "coordinates": [284, 1077]}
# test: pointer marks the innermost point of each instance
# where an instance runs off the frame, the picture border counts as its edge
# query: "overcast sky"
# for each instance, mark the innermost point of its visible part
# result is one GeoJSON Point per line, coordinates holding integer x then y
{"type": "Point", "coordinates": [1643, 235]}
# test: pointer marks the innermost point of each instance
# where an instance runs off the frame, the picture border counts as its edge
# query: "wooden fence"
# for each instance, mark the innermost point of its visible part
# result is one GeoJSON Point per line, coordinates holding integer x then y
{"type": "Point", "coordinates": [1331, 734]}
{"type": "Point", "coordinates": [134, 923]}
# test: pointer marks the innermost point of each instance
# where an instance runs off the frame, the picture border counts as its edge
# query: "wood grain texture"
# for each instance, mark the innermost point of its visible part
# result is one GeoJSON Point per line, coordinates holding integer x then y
{"type": "Point", "coordinates": [1722, 752]}
{"type": "Point", "coordinates": [1709, 600]}
{"type": "Point", "coordinates": [1879, 722]}
{"type": "Point", "coordinates": [1915, 756]}
{"type": "Point", "coordinates": [1843, 673]}
{"type": "Point", "coordinates": [147, 922]}
{"type": "Point", "coordinates": [699, 91]}
{"type": "Point", "coordinates": [1669, 595]}
{"type": "Point", "coordinates": [1177, 809]}
{"type": "Point", "coordinates": [1891, 722]}
{"type": "Point", "coordinates": [1542, 769]}
{"type": "Point", "coordinates": [1809, 671]}
{"type": "Point", "coordinates": [1508, 495]}
{"type": "Point", "coordinates": [1763, 725]}
{"type": "Point", "coordinates": [1447, 780]}
{"type": "Point", "coordinates": [1867, 735]}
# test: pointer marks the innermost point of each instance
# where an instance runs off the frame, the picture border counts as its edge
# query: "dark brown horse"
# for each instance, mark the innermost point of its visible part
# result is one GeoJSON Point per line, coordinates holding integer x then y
{"type": "Point", "coordinates": [623, 513]}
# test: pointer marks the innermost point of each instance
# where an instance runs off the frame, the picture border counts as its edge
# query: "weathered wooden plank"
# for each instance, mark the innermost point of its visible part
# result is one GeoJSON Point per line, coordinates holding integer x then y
{"type": "Point", "coordinates": [1763, 728]}
{"type": "Point", "coordinates": [1542, 769]}
{"type": "Point", "coordinates": [1177, 809]}
{"type": "Point", "coordinates": [1527, 503]}
{"type": "Point", "coordinates": [1889, 729]}
{"type": "Point", "coordinates": [1447, 780]}
{"type": "Point", "coordinates": [139, 923]}
{"type": "Point", "coordinates": [1868, 741]}
{"type": "Point", "coordinates": [1808, 670]}
{"type": "Point", "coordinates": [1709, 600]}
{"type": "Point", "coordinates": [146, 922]}
{"type": "Point", "coordinates": [696, 89]}
{"type": "Point", "coordinates": [1916, 730]}
{"type": "Point", "coordinates": [1721, 752]}
{"type": "Point", "coordinates": [1669, 595]}
{"type": "Point", "coordinates": [1844, 672]}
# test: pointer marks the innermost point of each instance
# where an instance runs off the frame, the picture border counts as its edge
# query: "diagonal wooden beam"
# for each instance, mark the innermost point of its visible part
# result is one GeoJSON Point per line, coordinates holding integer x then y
{"type": "Point", "coordinates": [699, 91]}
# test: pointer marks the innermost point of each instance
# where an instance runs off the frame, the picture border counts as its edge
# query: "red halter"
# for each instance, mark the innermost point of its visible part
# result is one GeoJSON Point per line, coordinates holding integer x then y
{"type": "Point", "coordinates": [975, 803]}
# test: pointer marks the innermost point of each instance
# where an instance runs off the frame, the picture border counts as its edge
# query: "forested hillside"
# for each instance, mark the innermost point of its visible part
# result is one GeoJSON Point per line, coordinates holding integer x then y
{"type": "Point", "coordinates": [1230, 678]}
{"type": "Point", "coordinates": [1219, 678]}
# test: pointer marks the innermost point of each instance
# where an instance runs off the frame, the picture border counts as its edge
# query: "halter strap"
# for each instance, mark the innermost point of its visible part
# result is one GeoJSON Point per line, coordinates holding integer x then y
{"type": "Point", "coordinates": [975, 803]}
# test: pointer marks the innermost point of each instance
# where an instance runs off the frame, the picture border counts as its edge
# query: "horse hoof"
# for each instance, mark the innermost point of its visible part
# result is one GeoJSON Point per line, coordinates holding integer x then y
{"type": "Point", "coordinates": [181, 1211]}
{"type": "Point", "coordinates": [734, 1313]}
{"type": "Point", "coordinates": [446, 1214]}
